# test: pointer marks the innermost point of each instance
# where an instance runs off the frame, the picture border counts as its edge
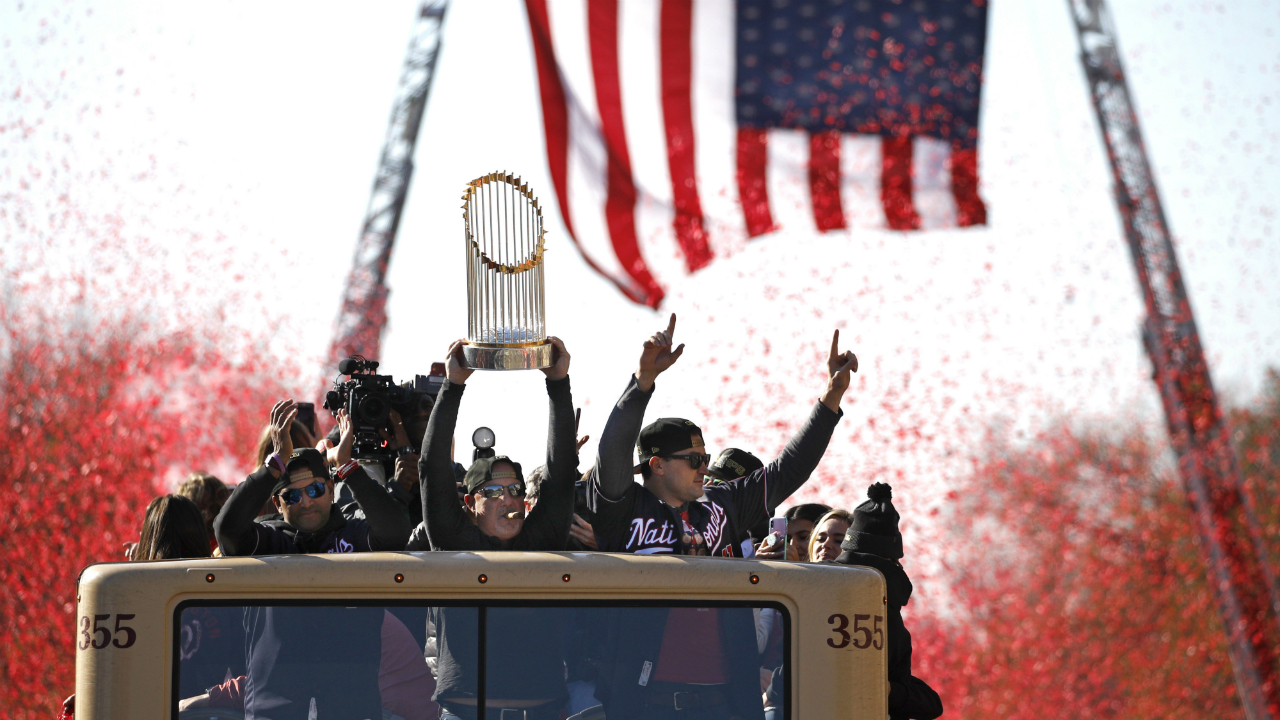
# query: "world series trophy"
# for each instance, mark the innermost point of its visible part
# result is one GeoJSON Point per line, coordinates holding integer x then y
{"type": "Point", "coordinates": [506, 299]}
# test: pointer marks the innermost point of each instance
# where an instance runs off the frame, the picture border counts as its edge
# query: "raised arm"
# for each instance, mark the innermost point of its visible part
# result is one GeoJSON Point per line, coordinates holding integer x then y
{"type": "Point", "coordinates": [388, 525]}
{"type": "Point", "coordinates": [547, 527]}
{"type": "Point", "coordinates": [613, 469]}
{"type": "Point", "coordinates": [234, 528]}
{"type": "Point", "coordinates": [446, 520]}
{"type": "Point", "coordinates": [803, 452]}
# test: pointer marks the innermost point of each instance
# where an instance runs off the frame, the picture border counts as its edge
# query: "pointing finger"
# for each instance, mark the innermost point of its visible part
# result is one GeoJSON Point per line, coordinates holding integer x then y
{"type": "Point", "coordinates": [671, 325]}
{"type": "Point", "coordinates": [835, 345]}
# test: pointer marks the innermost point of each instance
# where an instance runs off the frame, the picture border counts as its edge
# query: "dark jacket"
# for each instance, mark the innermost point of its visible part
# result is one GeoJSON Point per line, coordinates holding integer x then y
{"type": "Point", "coordinates": [629, 518]}
{"type": "Point", "coordinates": [633, 637]}
{"type": "Point", "coordinates": [547, 526]}
{"type": "Point", "coordinates": [291, 653]}
{"type": "Point", "coordinates": [534, 669]}
{"type": "Point", "coordinates": [296, 654]}
{"type": "Point", "coordinates": [386, 526]}
{"type": "Point", "coordinates": [909, 696]}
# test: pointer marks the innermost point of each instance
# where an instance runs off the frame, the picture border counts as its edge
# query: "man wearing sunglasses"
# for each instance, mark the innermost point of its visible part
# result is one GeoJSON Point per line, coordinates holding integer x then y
{"type": "Point", "coordinates": [284, 648]}
{"type": "Point", "coordinates": [299, 484]}
{"type": "Point", "coordinates": [672, 511]}
{"type": "Point", "coordinates": [528, 684]}
{"type": "Point", "coordinates": [492, 514]}
{"type": "Point", "coordinates": [691, 662]}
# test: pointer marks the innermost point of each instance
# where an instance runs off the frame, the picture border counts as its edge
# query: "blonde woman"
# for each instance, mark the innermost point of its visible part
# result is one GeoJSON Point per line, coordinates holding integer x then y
{"type": "Point", "coordinates": [828, 533]}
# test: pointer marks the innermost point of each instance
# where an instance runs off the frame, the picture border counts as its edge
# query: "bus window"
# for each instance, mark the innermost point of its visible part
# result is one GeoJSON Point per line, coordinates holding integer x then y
{"type": "Point", "coordinates": [499, 659]}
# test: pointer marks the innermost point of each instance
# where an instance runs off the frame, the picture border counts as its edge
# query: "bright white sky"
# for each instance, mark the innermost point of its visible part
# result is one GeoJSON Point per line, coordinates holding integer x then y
{"type": "Point", "coordinates": [261, 123]}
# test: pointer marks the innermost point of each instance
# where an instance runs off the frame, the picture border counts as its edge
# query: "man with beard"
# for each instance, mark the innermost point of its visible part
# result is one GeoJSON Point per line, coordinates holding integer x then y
{"type": "Point", "coordinates": [305, 660]}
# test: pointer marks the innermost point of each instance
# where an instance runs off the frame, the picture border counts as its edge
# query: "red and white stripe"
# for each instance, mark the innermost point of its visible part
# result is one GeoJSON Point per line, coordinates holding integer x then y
{"type": "Point", "coordinates": [652, 174]}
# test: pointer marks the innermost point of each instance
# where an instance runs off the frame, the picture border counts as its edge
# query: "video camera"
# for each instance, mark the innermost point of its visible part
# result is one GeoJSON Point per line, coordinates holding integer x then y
{"type": "Point", "coordinates": [369, 399]}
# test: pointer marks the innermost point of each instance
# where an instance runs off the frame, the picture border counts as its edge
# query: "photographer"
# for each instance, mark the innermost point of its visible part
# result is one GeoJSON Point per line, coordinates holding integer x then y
{"type": "Point", "coordinates": [389, 421]}
{"type": "Point", "coordinates": [405, 438]}
{"type": "Point", "coordinates": [529, 682]}
{"type": "Point", "coordinates": [302, 491]}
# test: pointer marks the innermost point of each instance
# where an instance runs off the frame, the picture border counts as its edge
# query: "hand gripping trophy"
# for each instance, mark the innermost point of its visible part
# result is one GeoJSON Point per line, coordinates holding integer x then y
{"type": "Point", "coordinates": [506, 299]}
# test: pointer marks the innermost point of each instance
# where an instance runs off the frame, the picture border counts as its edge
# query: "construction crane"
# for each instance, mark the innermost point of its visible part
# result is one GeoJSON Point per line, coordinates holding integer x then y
{"type": "Point", "coordinates": [1243, 581]}
{"type": "Point", "coordinates": [363, 313]}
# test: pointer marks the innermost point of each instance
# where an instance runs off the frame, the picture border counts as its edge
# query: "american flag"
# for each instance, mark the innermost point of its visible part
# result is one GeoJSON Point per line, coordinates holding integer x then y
{"type": "Point", "coordinates": [675, 126]}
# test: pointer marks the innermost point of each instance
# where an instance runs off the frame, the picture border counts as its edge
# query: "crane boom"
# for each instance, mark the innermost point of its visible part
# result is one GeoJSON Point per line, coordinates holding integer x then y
{"type": "Point", "coordinates": [363, 313]}
{"type": "Point", "coordinates": [1243, 582]}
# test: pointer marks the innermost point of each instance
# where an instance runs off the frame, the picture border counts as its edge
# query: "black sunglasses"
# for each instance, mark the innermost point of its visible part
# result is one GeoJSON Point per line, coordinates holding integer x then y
{"type": "Point", "coordinates": [492, 492]}
{"type": "Point", "coordinates": [695, 460]}
{"type": "Point", "coordinates": [293, 496]}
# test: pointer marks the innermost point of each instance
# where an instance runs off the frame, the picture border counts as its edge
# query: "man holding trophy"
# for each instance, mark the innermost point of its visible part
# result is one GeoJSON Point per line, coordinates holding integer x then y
{"type": "Point", "coordinates": [494, 516]}
{"type": "Point", "coordinates": [505, 331]}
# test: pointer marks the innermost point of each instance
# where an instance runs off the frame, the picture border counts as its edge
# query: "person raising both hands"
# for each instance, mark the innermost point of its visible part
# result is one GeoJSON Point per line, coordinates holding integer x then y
{"type": "Point", "coordinates": [672, 512]}
{"type": "Point", "coordinates": [662, 514]}
{"type": "Point", "coordinates": [494, 517]}
{"type": "Point", "coordinates": [529, 683]}
{"type": "Point", "coordinates": [281, 643]}
{"type": "Point", "coordinates": [300, 484]}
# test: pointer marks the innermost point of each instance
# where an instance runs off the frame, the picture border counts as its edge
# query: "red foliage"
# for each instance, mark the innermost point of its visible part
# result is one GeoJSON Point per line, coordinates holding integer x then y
{"type": "Point", "coordinates": [1257, 440]}
{"type": "Point", "coordinates": [1074, 584]}
{"type": "Point", "coordinates": [96, 419]}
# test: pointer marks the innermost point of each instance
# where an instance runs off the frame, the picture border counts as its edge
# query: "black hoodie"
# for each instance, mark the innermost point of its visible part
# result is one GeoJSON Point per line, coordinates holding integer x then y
{"type": "Point", "coordinates": [909, 696]}
{"type": "Point", "coordinates": [385, 526]}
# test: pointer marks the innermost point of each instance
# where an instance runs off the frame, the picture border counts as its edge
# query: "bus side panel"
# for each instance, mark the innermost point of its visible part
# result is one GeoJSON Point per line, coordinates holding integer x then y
{"type": "Point", "coordinates": [123, 647]}
{"type": "Point", "coordinates": [840, 651]}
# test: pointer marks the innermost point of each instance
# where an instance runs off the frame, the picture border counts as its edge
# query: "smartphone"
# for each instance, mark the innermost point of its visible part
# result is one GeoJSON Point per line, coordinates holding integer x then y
{"type": "Point", "coordinates": [307, 416]}
{"type": "Point", "coordinates": [778, 526]}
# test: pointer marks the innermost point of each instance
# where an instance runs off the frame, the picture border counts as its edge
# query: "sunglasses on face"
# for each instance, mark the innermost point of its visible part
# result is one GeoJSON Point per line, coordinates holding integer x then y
{"type": "Point", "coordinates": [293, 496]}
{"type": "Point", "coordinates": [495, 491]}
{"type": "Point", "coordinates": [695, 460]}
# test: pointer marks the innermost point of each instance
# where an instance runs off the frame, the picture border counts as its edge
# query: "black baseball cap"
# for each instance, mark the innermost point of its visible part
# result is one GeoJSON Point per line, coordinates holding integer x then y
{"type": "Point", "coordinates": [666, 436]}
{"type": "Point", "coordinates": [481, 472]}
{"type": "Point", "coordinates": [302, 465]}
{"type": "Point", "coordinates": [733, 463]}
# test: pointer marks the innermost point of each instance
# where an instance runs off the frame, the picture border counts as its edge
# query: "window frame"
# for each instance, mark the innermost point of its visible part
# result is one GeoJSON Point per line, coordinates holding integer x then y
{"type": "Point", "coordinates": [175, 681]}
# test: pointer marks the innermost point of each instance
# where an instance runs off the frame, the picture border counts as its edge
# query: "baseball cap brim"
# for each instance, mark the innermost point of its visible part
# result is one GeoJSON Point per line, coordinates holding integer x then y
{"type": "Point", "coordinates": [720, 474]}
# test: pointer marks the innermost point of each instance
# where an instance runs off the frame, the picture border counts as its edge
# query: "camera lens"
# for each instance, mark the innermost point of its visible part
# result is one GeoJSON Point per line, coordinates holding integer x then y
{"type": "Point", "coordinates": [372, 410]}
{"type": "Point", "coordinates": [332, 400]}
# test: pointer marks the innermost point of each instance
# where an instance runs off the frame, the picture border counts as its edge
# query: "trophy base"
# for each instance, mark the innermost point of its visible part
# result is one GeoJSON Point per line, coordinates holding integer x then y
{"type": "Point", "coordinates": [508, 357]}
